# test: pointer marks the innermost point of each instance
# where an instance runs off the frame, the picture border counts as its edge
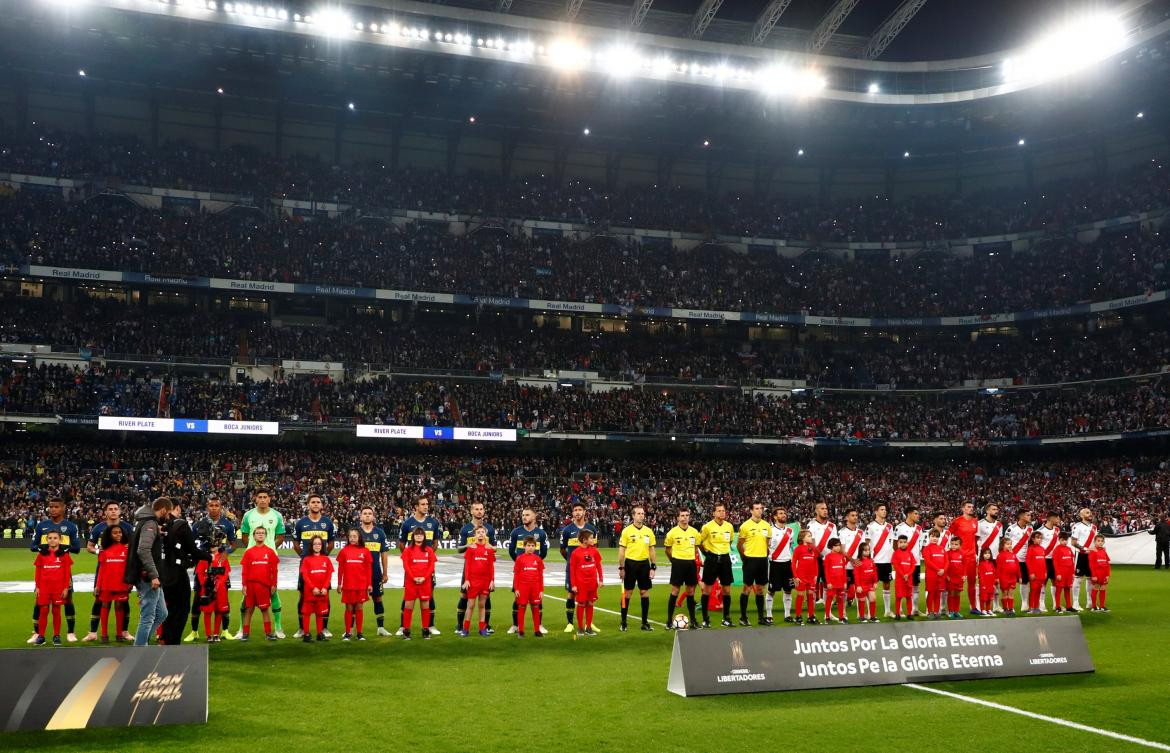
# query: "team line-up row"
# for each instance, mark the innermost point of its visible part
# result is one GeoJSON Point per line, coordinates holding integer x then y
{"type": "Point", "coordinates": [822, 563]}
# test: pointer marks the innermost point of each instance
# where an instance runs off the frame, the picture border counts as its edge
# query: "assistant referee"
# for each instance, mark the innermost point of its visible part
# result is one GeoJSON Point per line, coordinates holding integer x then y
{"type": "Point", "coordinates": [636, 565]}
{"type": "Point", "coordinates": [715, 540]}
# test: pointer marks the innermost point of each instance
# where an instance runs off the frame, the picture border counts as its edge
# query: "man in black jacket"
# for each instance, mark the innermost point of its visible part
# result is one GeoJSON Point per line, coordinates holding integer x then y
{"type": "Point", "coordinates": [1161, 534]}
{"type": "Point", "coordinates": [144, 566]}
{"type": "Point", "coordinates": [180, 553]}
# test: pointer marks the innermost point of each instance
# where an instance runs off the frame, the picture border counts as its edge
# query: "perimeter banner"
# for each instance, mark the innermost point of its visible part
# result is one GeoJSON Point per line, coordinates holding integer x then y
{"type": "Point", "coordinates": [718, 662]}
{"type": "Point", "coordinates": [103, 687]}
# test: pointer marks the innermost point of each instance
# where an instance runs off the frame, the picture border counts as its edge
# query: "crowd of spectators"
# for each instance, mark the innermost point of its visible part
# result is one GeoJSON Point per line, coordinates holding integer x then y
{"type": "Point", "coordinates": [372, 183]}
{"type": "Point", "coordinates": [497, 403]}
{"type": "Point", "coordinates": [1126, 495]}
{"type": "Point", "coordinates": [493, 343]}
{"type": "Point", "coordinates": [109, 232]}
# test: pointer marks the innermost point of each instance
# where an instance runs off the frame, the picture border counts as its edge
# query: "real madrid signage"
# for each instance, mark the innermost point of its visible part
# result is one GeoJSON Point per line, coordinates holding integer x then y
{"type": "Point", "coordinates": [711, 662]}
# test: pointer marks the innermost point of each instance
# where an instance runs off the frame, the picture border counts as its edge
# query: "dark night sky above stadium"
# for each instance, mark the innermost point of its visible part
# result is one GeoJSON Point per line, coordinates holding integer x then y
{"type": "Point", "coordinates": [942, 29]}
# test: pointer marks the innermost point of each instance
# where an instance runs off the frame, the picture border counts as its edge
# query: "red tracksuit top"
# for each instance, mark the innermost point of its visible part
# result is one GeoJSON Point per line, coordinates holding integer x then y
{"type": "Point", "coordinates": [1037, 560]}
{"type": "Point", "coordinates": [1007, 568]}
{"type": "Point", "coordinates": [865, 574]}
{"type": "Point", "coordinates": [956, 565]}
{"type": "Point", "coordinates": [934, 557]}
{"type": "Point", "coordinates": [528, 571]}
{"type": "Point", "coordinates": [355, 568]}
{"type": "Point", "coordinates": [585, 568]}
{"type": "Point", "coordinates": [1064, 562]}
{"type": "Point", "coordinates": [316, 572]}
{"type": "Point", "coordinates": [418, 562]}
{"type": "Point", "coordinates": [903, 562]}
{"type": "Point", "coordinates": [220, 560]}
{"type": "Point", "coordinates": [53, 573]}
{"type": "Point", "coordinates": [835, 570]}
{"type": "Point", "coordinates": [987, 574]}
{"type": "Point", "coordinates": [479, 564]}
{"type": "Point", "coordinates": [1099, 563]}
{"type": "Point", "coordinates": [260, 565]}
{"type": "Point", "coordinates": [804, 563]}
{"type": "Point", "coordinates": [111, 568]}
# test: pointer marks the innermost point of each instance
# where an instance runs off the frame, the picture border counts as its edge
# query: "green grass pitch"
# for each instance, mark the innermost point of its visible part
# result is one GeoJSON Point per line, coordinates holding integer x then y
{"type": "Point", "coordinates": [608, 693]}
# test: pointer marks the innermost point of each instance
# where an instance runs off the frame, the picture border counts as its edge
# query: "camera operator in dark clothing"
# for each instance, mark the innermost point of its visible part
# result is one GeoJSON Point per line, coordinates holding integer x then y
{"type": "Point", "coordinates": [1161, 534]}
{"type": "Point", "coordinates": [180, 554]}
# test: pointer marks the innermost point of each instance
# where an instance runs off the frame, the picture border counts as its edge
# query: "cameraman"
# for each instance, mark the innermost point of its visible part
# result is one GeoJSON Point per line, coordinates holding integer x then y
{"type": "Point", "coordinates": [213, 531]}
{"type": "Point", "coordinates": [179, 553]}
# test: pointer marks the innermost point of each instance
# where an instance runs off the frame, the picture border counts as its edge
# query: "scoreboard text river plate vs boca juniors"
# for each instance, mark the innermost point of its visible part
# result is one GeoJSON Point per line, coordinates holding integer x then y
{"type": "Point", "coordinates": [715, 662]}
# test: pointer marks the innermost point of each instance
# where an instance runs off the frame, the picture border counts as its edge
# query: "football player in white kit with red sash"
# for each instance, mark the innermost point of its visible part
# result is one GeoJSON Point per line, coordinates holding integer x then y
{"type": "Point", "coordinates": [1020, 534]}
{"type": "Point", "coordinates": [780, 545]}
{"type": "Point", "coordinates": [988, 535]}
{"type": "Point", "coordinates": [915, 540]}
{"type": "Point", "coordinates": [851, 538]}
{"type": "Point", "coordinates": [880, 535]}
{"type": "Point", "coordinates": [1048, 539]}
{"type": "Point", "coordinates": [822, 530]}
{"type": "Point", "coordinates": [1084, 533]}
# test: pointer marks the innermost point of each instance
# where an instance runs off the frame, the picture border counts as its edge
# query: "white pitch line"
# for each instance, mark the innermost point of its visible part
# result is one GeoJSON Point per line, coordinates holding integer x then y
{"type": "Point", "coordinates": [1042, 717]}
{"type": "Point", "coordinates": [610, 611]}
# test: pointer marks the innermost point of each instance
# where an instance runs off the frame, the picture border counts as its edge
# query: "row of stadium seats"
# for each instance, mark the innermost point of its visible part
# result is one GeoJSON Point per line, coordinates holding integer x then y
{"type": "Point", "coordinates": [373, 184]}
{"type": "Point", "coordinates": [1126, 495]}
{"type": "Point", "coordinates": [493, 343]}
{"type": "Point", "coordinates": [1113, 407]}
{"type": "Point", "coordinates": [108, 232]}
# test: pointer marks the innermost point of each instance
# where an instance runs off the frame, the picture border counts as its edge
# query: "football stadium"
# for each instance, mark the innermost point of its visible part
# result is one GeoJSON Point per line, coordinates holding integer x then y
{"type": "Point", "coordinates": [600, 375]}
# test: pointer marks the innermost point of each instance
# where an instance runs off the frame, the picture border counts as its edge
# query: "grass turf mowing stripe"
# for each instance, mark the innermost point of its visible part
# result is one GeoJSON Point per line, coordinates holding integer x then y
{"type": "Point", "coordinates": [600, 609]}
{"type": "Point", "coordinates": [1042, 717]}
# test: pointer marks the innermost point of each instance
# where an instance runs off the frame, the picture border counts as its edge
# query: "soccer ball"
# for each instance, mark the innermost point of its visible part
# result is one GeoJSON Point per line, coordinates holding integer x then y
{"type": "Point", "coordinates": [681, 622]}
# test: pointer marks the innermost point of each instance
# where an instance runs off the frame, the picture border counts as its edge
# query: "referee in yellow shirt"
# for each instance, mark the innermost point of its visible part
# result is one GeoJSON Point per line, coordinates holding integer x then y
{"type": "Point", "coordinates": [753, 552]}
{"type": "Point", "coordinates": [681, 543]}
{"type": "Point", "coordinates": [636, 565]}
{"type": "Point", "coordinates": [715, 540]}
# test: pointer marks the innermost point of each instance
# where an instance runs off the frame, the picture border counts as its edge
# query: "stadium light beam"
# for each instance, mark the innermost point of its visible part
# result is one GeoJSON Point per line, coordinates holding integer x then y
{"type": "Point", "coordinates": [568, 54]}
{"type": "Point", "coordinates": [1067, 49]}
{"type": "Point", "coordinates": [333, 22]}
{"type": "Point", "coordinates": [621, 61]}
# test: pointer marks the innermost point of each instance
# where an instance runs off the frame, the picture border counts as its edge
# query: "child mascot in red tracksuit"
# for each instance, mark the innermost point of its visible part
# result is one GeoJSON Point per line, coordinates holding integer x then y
{"type": "Point", "coordinates": [528, 585]}
{"type": "Point", "coordinates": [585, 577]}
{"type": "Point", "coordinates": [317, 581]}
{"type": "Point", "coordinates": [1064, 565]}
{"type": "Point", "coordinates": [418, 567]}
{"type": "Point", "coordinates": [836, 581]}
{"type": "Point", "coordinates": [1037, 561]}
{"type": "Point", "coordinates": [865, 583]}
{"type": "Point", "coordinates": [1007, 572]}
{"type": "Point", "coordinates": [54, 580]}
{"type": "Point", "coordinates": [259, 566]}
{"type": "Point", "coordinates": [110, 589]}
{"type": "Point", "coordinates": [1099, 568]}
{"type": "Point", "coordinates": [904, 567]}
{"type": "Point", "coordinates": [479, 571]}
{"type": "Point", "coordinates": [956, 577]}
{"type": "Point", "coordinates": [804, 573]}
{"type": "Point", "coordinates": [934, 562]}
{"type": "Point", "coordinates": [213, 599]}
{"type": "Point", "coordinates": [355, 581]}
{"type": "Point", "coordinates": [988, 577]}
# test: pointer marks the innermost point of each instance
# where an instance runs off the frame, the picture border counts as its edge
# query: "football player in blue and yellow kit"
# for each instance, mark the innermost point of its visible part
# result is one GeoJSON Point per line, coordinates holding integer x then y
{"type": "Point", "coordinates": [433, 531]}
{"type": "Point", "coordinates": [315, 525]}
{"type": "Point", "coordinates": [70, 542]}
{"type": "Point", "coordinates": [569, 544]}
{"type": "Point", "coordinates": [516, 548]}
{"type": "Point", "coordinates": [466, 539]}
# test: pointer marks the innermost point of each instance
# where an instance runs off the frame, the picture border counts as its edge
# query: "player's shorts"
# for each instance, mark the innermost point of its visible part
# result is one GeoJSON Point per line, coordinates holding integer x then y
{"type": "Point", "coordinates": [257, 596]}
{"type": "Point", "coordinates": [955, 584]}
{"type": "Point", "coordinates": [1051, 570]}
{"type": "Point", "coordinates": [755, 571]}
{"type": "Point", "coordinates": [315, 604]}
{"type": "Point", "coordinates": [478, 588]}
{"type": "Point", "coordinates": [820, 569]}
{"type": "Point", "coordinates": [377, 589]}
{"type": "Point", "coordinates": [1023, 571]}
{"type": "Point", "coordinates": [683, 573]}
{"type": "Point", "coordinates": [780, 576]}
{"type": "Point", "coordinates": [1007, 586]}
{"type": "Point", "coordinates": [935, 583]}
{"type": "Point", "coordinates": [717, 567]}
{"type": "Point", "coordinates": [805, 585]}
{"type": "Point", "coordinates": [529, 593]}
{"type": "Point", "coordinates": [218, 604]}
{"type": "Point", "coordinates": [44, 598]}
{"type": "Point", "coordinates": [568, 578]}
{"type": "Point", "coordinates": [885, 572]}
{"type": "Point", "coordinates": [849, 579]}
{"type": "Point", "coordinates": [586, 595]}
{"type": "Point", "coordinates": [414, 591]}
{"type": "Point", "coordinates": [353, 596]}
{"type": "Point", "coordinates": [117, 596]}
{"type": "Point", "coordinates": [902, 589]}
{"type": "Point", "coordinates": [916, 576]}
{"type": "Point", "coordinates": [1083, 570]}
{"type": "Point", "coordinates": [637, 575]}
{"type": "Point", "coordinates": [839, 589]}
